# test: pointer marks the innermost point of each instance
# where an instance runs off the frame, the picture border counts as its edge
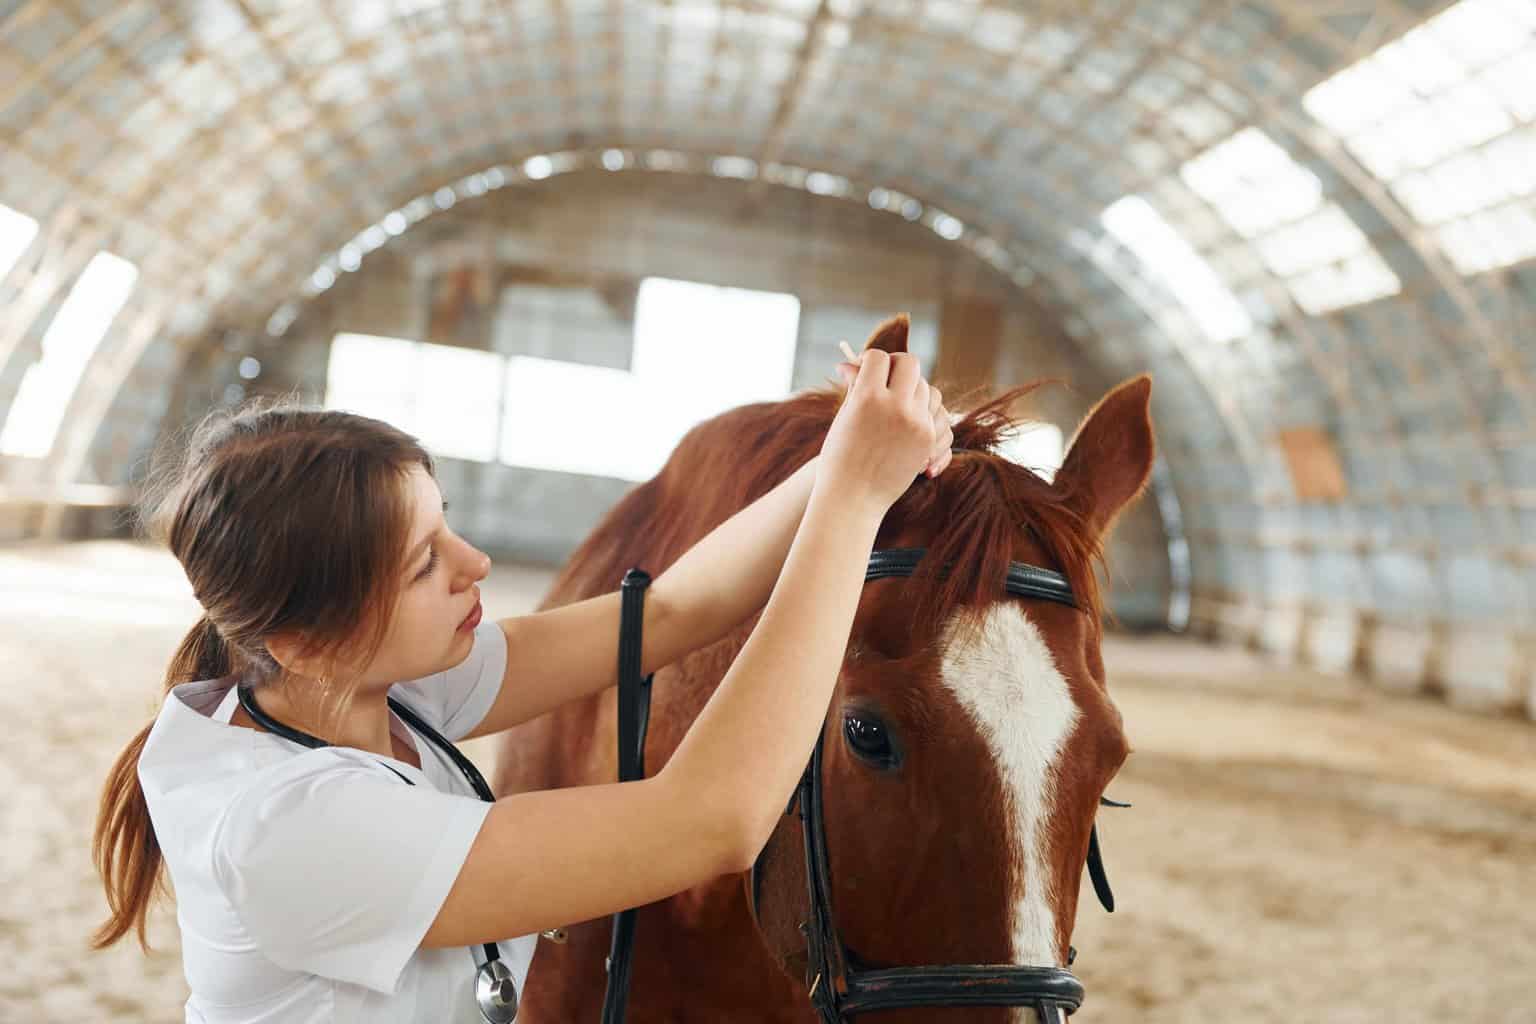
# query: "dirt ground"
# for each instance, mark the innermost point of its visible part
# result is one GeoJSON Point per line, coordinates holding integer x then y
{"type": "Point", "coordinates": [1301, 847]}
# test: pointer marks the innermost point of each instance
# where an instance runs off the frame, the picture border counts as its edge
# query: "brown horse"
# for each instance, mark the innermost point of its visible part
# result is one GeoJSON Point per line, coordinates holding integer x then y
{"type": "Point", "coordinates": [971, 851]}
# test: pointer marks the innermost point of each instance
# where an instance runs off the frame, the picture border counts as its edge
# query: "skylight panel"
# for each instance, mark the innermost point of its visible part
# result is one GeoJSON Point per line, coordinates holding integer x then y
{"type": "Point", "coordinates": [1449, 107]}
{"type": "Point", "coordinates": [1512, 161]}
{"type": "Point", "coordinates": [1279, 205]}
{"type": "Point", "coordinates": [1334, 285]}
{"type": "Point", "coordinates": [16, 233]}
{"type": "Point", "coordinates": [1513, 82]}
{"type": "Point", "coordinates": [1166, 254]}
{"type": "Point", "coordinates": [1491, 238]}
{"type": "Point", "coordinates": [72, 337]}
{"type": "Point", "coordinates": [1249, 166]}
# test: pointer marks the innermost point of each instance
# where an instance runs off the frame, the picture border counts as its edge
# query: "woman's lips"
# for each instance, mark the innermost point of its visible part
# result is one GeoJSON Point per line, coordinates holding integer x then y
{"type": "Point", "coordinates": [472, 619]}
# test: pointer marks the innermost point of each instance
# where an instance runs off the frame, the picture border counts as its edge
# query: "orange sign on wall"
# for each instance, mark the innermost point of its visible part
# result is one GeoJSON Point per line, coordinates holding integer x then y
{"type": "Point", "coordinates": [1316, 473]}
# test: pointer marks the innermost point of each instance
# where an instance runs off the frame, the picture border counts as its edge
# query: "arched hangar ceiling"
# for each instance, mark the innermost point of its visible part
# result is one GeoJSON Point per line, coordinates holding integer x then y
{"type": "Point", "coordinates": [1299, 215]}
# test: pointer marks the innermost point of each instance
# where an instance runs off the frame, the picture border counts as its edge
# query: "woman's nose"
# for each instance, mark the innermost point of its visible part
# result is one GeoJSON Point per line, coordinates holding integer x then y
{"type": "Point", "coordinates": [476, 564]}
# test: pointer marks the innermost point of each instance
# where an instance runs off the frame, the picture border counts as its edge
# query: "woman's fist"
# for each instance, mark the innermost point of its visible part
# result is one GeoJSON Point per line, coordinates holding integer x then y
{"type": "Point", "coordinates": [885, 433]}
{"type": "Point", "coordinates": [943, 431]}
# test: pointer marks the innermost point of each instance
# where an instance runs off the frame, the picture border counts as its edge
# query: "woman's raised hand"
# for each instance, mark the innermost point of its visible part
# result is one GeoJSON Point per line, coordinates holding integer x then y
{"type": "Point", "coordinates": [943, 429]}
{"type": "Point", "coordinates": [891, 427]}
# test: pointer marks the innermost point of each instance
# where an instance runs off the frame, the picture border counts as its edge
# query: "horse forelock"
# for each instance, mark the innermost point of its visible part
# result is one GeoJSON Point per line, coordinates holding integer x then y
{"type": "Point", "coordinates": [980, 513]}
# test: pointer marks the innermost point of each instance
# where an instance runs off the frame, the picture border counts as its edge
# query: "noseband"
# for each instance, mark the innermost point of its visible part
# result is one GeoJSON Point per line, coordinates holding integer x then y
{"type": "Point", "coordinates": [838, 988]}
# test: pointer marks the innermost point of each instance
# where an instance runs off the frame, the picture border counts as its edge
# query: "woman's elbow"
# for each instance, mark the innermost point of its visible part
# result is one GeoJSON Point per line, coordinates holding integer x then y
{"type": "Point", "coordinates": [741, 852]}
{"type": "Point", "coordinates": [730, 830]}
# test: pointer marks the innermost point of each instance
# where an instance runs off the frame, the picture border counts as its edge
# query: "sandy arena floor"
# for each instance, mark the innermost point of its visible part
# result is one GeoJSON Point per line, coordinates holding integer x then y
{"type": "Point", "coordinates": [1301, 847]}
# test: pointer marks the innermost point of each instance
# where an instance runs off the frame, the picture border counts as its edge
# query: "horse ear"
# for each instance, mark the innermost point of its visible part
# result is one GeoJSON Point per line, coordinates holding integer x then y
{"type": "Point", "coordinates": [891, 335]}
{"type": "Point", "coordinates": [1110, 458]}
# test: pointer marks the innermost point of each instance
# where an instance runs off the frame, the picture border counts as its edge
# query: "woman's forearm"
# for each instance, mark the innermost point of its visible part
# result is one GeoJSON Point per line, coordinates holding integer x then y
{"type": "Point", "coordinates": [744, 751]}
{"type": "Point", "coordinates": [730, 572]}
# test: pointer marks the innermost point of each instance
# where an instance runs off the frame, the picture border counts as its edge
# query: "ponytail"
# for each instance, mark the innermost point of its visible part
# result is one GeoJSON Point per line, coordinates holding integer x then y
{"type": "Point", "coordinates": [125, 850]}
{"type": "Point", "coordinates": [203, 654]}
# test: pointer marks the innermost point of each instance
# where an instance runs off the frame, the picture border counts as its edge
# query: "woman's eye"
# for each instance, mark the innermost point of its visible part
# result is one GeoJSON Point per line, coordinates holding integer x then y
{"type": "Point", "coordinates": [431, 564]}
{"type": "Point", "coordinates": [868, 738]}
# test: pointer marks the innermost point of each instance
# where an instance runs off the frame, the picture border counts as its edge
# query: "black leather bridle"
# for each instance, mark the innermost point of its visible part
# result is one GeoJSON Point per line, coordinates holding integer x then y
{"type": "Point", "coordinates": [838, 989]}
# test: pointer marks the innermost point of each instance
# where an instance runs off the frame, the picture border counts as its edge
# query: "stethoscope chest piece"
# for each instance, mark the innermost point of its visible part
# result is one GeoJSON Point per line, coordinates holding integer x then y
{"type": "Point", "coordinates": [496, 993]}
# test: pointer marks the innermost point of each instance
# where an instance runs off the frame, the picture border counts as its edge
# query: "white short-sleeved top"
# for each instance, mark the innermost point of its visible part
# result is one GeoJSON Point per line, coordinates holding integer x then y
{"type": "Point", "coordinates": [305, 879]}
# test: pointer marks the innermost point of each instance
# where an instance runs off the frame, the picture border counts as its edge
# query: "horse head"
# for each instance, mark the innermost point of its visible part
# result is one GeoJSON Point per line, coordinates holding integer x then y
{"type": "Point", "coordinates": [971, 734]}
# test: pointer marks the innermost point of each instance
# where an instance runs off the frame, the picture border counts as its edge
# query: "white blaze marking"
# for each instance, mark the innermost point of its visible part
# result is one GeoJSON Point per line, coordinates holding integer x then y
{"type": "Point", "coordinates": [1011, 686]}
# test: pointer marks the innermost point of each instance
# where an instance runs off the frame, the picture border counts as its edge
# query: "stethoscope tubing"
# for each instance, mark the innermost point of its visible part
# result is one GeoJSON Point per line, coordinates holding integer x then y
{"type": "Point", "coordinates": [489, 973]}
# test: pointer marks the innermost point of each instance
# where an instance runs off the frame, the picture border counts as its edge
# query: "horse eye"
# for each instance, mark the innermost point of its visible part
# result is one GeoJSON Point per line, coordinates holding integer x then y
{"type": "Point", "coordinates": [867, 737]}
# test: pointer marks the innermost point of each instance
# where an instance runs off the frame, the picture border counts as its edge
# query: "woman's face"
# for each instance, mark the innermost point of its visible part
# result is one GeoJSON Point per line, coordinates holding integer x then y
{"type": "Point", "coordinates": [439, 602]}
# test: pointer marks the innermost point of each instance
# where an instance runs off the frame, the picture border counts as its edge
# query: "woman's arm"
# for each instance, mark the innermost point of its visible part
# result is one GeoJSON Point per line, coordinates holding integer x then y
{"type": "Point", "coordinates": [554, 857]}
{"type": "Point", "coordinates": [729, 574]}
{"type": "Point", "coordinates": [548, 858]}
{"type": "Point", "coordinates": [564, 653]}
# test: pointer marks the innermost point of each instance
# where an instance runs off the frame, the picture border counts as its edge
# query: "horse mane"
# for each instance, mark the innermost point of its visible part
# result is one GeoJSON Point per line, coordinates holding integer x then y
{"type": "Point", "coordinates": [972, 513]}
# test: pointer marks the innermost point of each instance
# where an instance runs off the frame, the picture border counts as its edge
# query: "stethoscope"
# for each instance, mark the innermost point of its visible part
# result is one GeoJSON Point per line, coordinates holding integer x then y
{"type": "Point", "coordinates": [495, 991]}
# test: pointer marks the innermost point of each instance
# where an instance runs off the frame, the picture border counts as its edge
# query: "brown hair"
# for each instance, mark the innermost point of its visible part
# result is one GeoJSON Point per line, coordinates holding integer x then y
{"type": "Point", "coordinates": [286, 519]}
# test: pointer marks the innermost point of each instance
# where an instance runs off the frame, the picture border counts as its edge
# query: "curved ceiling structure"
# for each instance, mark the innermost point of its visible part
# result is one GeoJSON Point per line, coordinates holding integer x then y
{"type": "Point", "coordinates": [1310, 217]}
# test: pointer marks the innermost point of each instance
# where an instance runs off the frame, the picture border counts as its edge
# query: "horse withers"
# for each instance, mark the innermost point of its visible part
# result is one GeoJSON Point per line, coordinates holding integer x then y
{"type": "Point", "coordinates": [966, 747]}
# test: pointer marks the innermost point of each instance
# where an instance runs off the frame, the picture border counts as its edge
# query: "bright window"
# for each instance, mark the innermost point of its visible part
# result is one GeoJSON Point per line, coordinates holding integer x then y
{"type": "Point", "coordinates": [449, 398]}
{"type": "Point", "coordinates": [574, 418]}
{"type": "Point", "coordinates": [458, 402]}
{"type": "Point", "coordinates": [699, 350]}
{"type": "Point", "coordinates": [1307, 241]}
{"type": "Point", "coordinates": [1166, 255]}
{"type": "Point", "coordinates": [72, 337]}
{"type": "Point", "coordinates": [16, 233]}
{"type": "Point", "coordinates": [1035, 446]}
{"type": "Point", "coordinates": [372, 376]}
{"type": "Point", "coordinates": [1446, 116]}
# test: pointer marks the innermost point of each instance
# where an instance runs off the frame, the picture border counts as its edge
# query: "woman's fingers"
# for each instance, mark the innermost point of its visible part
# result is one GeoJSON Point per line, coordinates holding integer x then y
{"type": "Point", "coordinates": [906, 374]}
{"type": "Point", "coordinates": [943, 434]}
{"type": "Point", "coordinates": [905, 371]}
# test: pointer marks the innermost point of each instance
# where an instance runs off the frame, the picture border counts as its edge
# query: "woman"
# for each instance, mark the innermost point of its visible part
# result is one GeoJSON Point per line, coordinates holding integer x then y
{"type": "Point", "coordinates": [311, 884]}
